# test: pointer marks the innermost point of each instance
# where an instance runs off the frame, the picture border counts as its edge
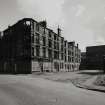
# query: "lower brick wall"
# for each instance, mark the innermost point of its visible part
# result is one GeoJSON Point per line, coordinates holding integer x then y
{"type": "Point", "coordinates": [15, 67]}
{"type": "Point", "coordinates": [37, 67]}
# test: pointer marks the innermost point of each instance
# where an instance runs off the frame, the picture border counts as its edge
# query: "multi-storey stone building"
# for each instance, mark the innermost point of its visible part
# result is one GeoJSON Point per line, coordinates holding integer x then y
{"type": "Point", "coordinates": [30, 46]}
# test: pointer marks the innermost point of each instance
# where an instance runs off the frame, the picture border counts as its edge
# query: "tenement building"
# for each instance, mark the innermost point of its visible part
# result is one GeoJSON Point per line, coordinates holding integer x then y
{"type": "Point", "coordinates": [29, 46]}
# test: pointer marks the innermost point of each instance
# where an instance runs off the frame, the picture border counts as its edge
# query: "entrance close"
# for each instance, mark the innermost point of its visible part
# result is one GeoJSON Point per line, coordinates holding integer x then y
{"type": "Point", "coordinates": [56, 66]}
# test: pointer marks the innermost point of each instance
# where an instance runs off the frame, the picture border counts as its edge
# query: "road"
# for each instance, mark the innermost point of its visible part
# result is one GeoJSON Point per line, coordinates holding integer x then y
{"type": "Point", "coordinates": [28, 90]}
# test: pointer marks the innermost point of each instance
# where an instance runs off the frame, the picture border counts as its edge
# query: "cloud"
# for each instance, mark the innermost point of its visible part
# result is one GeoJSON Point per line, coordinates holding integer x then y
{"type": "Point", "coordinates": [9, 13]}
{"type": "Point", "coordinates": [84, 21]}
{"type": "Point", "coordinates": [81, 20]}
{"type": "Point", "coordinates": [42, 9]}
{"type": "Point", "coordinates": [80, 10]}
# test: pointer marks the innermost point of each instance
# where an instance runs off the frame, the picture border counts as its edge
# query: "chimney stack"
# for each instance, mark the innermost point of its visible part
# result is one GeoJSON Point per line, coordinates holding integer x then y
{"type": "Point", "coordinates": [43, 23]}
{"type": "Point", "coordinates": [59, 31]}
{"type": "Point", "coordinates": [77, 45]}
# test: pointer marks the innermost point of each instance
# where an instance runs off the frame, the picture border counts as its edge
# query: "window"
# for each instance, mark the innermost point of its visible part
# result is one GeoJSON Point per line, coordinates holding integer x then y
{"type": "Point", "coordinates": [32, 51]}
{"type": "Point", "coordinates": [56, 55]}
{"type": "Point", "coordinates": [55, 65]}
{"type": "Point", "coordinates": [62, 40]}
{"type": "Point", "coordinates": [37, 38]}
{"type": "Point", "coordinates": [49, 34]}
{"type": "Point", "coordinates": [37, 50]}
{"type": "Point", "coordinates": [72, 59]}
{"type": "Point", "coordinates": [68, 67]}
{"type": "Point", "coordinates": [62, 48]}
{"type": "Point", "coordinates": [44, 52]}
{"type": "Point", "coordinates": [49, 53]}
{"type": "Point", "coordinates": [65, 51]}
{"type": "Point", "coordinates": [44, 41]}
{"type": "Point", "coordinates": [69, 52]}
{"type": "Point", "coordinates": [55, 37]}
{"type": "Point", "coordinates": [28, 23]}
{"type": "Point", "coordinates": [65, 43]}
{"type": "Point", "coordinates": [50, 43]}
{"type": "Point", "coordinates": [62, 66]}
{"type": "Point", "coordinates": [65, 58]}
{"type": "Point", "coordinates": [55, 45]}
{"type": "Point", "coordinates": [44, 31]}
{"type": "Point", "coordinates": [72, 53]}
{"type": "Point", "coordinates": [37, 27]}
{"type": "Point", "coordinates": [69, 59]}
{"type": "Point", "coordinates": [62, 56]}
{"type": "Point", "coordinates": [65, 66]}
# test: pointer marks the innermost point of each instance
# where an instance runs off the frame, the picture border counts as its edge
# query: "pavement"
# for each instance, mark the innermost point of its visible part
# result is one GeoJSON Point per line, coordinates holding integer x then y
{"type": "Point", "coordinates": [89, 84]}
{"type": "Point", "coordinates": [35, 90]}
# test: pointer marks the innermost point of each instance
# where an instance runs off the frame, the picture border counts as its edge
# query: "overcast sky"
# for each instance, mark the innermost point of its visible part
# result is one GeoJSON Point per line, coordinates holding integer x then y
{"type": "Point", "coordinates": [80, 20]}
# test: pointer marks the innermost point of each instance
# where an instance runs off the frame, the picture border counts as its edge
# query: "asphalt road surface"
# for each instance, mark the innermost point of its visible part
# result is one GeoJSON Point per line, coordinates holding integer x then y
{"type": "Point", "coordinates": [28, 90]}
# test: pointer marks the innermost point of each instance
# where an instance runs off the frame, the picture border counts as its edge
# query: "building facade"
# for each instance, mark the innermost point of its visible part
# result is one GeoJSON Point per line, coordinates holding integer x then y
{"type": "Point", "coordinates": [83, 64]}
{"type": "Point", "coordinates": [29, 46]}
{"type": "Point", "coordinates": [95, 57]}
